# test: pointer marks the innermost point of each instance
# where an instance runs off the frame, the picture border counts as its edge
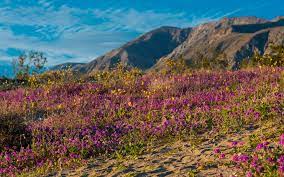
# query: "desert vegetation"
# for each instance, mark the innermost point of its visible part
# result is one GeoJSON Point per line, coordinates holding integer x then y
{"type": "Point", "coordinates": [59, 120]}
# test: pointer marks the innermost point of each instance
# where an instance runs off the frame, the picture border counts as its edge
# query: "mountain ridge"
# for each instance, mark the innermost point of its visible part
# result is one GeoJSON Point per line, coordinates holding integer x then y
{"type": "Point", "coordinates": [235, 45]}
{"type": "Point", "coordinates": [141, 52]}
{"type": "Point", "coordinates": [236, 38]}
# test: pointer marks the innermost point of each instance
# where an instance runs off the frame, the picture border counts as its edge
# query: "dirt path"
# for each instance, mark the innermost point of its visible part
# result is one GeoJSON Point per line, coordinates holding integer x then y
{"type": "Point", "coordinates": [173, 159]}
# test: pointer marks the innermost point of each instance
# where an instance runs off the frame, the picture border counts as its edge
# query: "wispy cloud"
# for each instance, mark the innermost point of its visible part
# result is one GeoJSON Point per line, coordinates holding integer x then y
{"type": "Point", "coordinates": [83, 34]}
{"type": "Point", "coordinates": [196, 19]}
{"type": "Point", "coordinates": [131, 19]}
{"type": "Point", "coordinates": [142, 21]}
{"type": "Point", "coordinates": [69, 36]}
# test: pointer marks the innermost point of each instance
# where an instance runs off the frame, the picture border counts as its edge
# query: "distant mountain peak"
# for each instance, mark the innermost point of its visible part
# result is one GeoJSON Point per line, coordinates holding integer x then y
{"type": "Point", "coordinates": [142, 52]}
{"type": "Point", "coordinates": [242, 20]}
{"type": "Point", "coordinates": [236, 38]}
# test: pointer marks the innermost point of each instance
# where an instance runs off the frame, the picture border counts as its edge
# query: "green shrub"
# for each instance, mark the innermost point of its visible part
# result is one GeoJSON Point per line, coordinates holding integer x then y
{"type": "Point", "coordinates": [275, 58]}
{"type": "Point", "coordinates": [14, 132]}
{"type": "Point", "coordinates": [175, 66]}
{"type": "Point", "coordinates": [120, 76]}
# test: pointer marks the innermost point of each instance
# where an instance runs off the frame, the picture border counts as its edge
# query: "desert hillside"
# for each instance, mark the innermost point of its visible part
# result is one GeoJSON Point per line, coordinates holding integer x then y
{"type": "Point", "coordinates": [126, 123]}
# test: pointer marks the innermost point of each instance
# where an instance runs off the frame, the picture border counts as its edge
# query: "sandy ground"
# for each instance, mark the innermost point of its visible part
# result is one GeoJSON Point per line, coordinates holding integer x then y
{"type": "Point", "coordinates": [179, 158]}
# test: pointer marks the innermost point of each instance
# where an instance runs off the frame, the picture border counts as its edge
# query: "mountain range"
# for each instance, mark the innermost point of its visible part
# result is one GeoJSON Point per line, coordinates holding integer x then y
{"type": "Point", "coordinates": [230, 40]}
{"type": "Point", "coordinates": [234, 39]}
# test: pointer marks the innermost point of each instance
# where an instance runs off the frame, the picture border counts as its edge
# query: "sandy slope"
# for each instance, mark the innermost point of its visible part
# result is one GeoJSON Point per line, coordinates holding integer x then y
{"type": "Point", "coordinates": [180, 158]}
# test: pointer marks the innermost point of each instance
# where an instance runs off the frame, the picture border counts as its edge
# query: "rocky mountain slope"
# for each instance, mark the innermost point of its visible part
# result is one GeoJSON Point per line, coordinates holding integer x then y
{"type": "Point", "coordinates": [142, 52]}
{"type": "Point", "coordinates": [231, 39]}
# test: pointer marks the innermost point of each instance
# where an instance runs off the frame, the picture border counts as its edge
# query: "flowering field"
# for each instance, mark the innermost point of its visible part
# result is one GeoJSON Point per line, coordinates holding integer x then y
{"type": "Point", "coordinates": [63, 124]}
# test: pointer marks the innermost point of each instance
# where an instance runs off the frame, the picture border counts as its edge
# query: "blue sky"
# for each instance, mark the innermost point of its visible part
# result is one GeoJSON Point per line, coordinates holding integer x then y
{"type": "Point", "coordinates": [81, 30]}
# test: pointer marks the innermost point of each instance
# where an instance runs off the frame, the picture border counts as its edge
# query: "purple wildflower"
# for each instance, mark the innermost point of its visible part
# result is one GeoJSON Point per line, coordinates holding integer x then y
{"type": "Point", "coordinates": [234, 143]}
{"type": "Point", "coordinates": [281, 169]}
{"type": "Point", "coordinates": [270, 160]}
{"type": "Point", "coordinates": [259, 169]}
{"type": "Point", "coordinates": [217, 150]}
{"type": "Point", "coordinates": [262, 145]}
{"type": "Point", "coordinates": [235, 158]}
{"type": "Point", "coordinates": [243, 158]}
{"type": "Point", "coordinates": [281, 142]}
{"type": "Point", "coordinates": [249, 174]}
{"type": "Point", "coordinates": [259, 146]}
{"type": "Point", "coordinates": [222, 156]}
{"type": "Point", "coordinates": [281, 160]}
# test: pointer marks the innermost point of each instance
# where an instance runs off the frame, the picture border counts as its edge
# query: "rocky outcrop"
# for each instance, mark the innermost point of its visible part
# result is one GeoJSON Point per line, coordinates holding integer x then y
{"type": "Point", "coordinates": [236, 39]}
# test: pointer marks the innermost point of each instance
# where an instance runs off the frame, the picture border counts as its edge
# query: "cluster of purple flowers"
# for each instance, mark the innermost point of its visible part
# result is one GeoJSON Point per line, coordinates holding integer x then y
{"type": "Point", "coordinates": [265, 159]}
{"type": "Point", "coordinates": [83, 120]}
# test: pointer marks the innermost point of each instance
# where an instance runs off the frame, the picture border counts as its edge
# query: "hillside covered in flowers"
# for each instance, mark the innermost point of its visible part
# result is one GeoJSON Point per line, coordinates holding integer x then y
{"type": "Point", "coordinates": [57, 120]}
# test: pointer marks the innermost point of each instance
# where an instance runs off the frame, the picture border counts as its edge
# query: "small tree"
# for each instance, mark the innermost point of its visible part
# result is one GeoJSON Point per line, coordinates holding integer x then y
{"type": "Point", "coordinates": [32, 62]}
{"type": "Point", "coordinates": [38, 60]}
{"type": "Point", "coordinates": [21, 67]}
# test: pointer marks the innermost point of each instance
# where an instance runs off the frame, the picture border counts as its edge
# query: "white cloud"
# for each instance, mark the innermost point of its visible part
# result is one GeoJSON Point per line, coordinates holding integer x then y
{"type": "Point", "coordinates": [142, 21]}
{"type": "Point", "coordinates": [74, 38]}
{"type": "Point", "coordinates": [80, 45]}
{"type": "Point", "coordinates": [197, 19]}
{"type": "Point", "coordinates": [131, 19]}
{"type": "Point", "coordinates": [70, 32]}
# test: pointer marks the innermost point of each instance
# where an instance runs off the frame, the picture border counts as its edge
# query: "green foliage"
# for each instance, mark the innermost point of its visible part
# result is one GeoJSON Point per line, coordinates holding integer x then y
{"type": "Point", "coordinates": [13, 131]}
{"type": "Point", "coordinates": [32, 62]}
{"type": "Point", "coordinates": [9, 84]}
{"type": "Point", "coordinates": [229, 124]}
{"type": "Point", "coordinates": [264, 109]}
{"type": "Point", "coordinates": [254, 140]}
{"type": "Point", "coordinates": [84, 175]}
{"type": "Point", "coordinates": [20, 67]}
{"type": "Point", "coordinates": [274, 58]}
{"type": "Point", "coordinates": [192, 173]}
{"type": "Point", "coordinates": [37, 60]}
{"type": "Point", "coordinates": [120, 76]}
{"type": "Point", "coordinates": [217, 62]}
{"type": "Point", "coordinates": [131, 149]}
{"type": "Point", "coordinates": [53, 78]}
{"type": "Point", "coordinates": [175, 66]}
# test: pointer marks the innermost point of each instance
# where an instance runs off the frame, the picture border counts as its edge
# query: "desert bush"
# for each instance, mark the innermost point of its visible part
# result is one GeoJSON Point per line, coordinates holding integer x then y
{"type": "Point", "coordinates": [7, 84]}
{"type": "Point", "coordinates": [28, 63]}
{"type": "Point", "coordinates": [53, 78]}
{"type": "Point", "coordinates": [120, 77]}
{"type": "Point", "coordinates": [175, 66]}
{"type": "Point", "coordinates": [275, 58]}
{"type": "Point", "coordinates": [218, 61]}
{"type": "Point", "coordinates": [14, 132]}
